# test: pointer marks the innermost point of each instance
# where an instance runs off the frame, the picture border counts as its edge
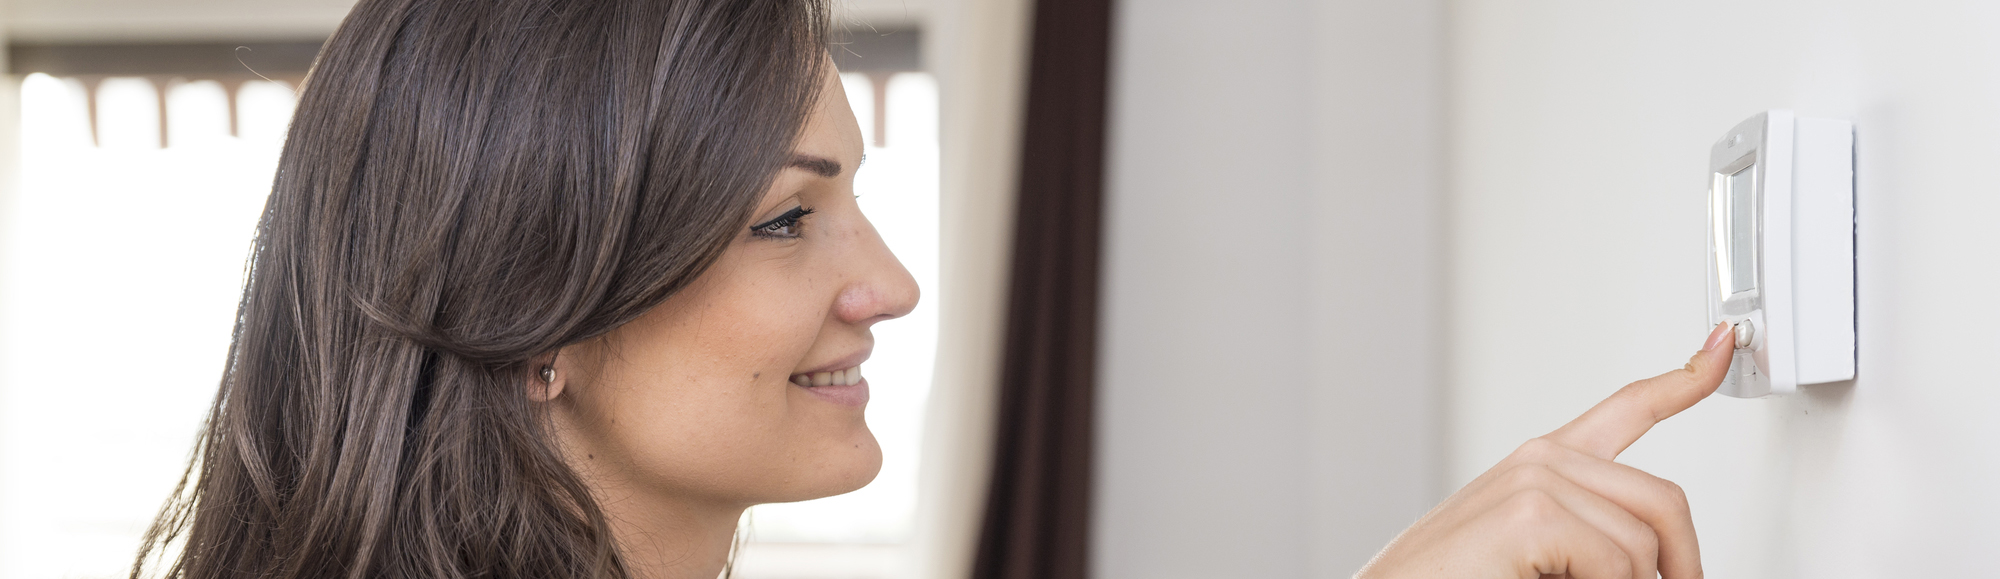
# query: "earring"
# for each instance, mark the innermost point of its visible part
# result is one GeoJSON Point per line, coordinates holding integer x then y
{"type": "Point", "coordinates": [549, 374]}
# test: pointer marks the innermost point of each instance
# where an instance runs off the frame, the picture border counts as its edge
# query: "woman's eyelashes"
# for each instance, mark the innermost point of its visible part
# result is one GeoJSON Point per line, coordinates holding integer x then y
{"type": "Point", "coordinates": [785, 226]}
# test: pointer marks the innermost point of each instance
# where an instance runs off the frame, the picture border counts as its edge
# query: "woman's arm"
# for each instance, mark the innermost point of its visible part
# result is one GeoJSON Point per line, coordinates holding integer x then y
{"type": "Point", "coordinates": [1560, 506]}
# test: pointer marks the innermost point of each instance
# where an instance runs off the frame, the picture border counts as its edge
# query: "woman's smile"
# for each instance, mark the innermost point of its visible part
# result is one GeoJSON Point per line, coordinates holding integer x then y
{"type": "Point", "coordinates": [839, 381]}
{"type": "Point", "coordinates": [844, 387]}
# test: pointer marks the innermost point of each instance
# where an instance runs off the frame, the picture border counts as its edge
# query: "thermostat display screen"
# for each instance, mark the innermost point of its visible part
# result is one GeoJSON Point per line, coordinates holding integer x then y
{"type": "Point", "coordinates": [1736, 207]}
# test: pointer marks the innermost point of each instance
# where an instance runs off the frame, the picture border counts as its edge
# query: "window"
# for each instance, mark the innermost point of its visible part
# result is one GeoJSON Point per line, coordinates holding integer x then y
{"type": "Point", "coordinates": [123, 264]}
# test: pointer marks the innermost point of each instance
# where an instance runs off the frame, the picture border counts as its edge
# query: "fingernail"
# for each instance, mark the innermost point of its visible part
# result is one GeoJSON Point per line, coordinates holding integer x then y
{"type": "Point", "coordinates": [1716, 336]}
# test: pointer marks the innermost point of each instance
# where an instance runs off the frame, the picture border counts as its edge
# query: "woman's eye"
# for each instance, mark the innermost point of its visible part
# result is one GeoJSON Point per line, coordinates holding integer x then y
{"type": "Point", "coordinates": [785, 226]}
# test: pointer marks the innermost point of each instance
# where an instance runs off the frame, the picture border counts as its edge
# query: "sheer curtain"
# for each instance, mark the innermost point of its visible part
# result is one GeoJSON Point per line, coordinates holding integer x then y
{"type": "Point", "coordinates": [978, 50]}
{"type": "Point", "coordinates": [123, 265]}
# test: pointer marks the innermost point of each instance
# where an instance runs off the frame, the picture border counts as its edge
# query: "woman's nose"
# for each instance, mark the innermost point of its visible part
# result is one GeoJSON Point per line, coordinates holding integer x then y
{"type": "Point", "coordinates": [882, 288]}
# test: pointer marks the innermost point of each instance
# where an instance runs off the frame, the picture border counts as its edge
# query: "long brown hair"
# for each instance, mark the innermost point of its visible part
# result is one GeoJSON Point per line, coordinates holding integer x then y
{"type": "Point", "coordinates": [469, 185]}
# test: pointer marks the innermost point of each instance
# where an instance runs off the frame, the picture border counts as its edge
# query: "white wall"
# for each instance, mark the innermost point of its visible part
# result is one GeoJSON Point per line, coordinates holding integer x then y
{"type": "Point", "coordinates": [1579, 142]}
{"type": "Point", "coordinates": [1268, 363]}
{"type": "Point", "coordinates": [1264, 396]}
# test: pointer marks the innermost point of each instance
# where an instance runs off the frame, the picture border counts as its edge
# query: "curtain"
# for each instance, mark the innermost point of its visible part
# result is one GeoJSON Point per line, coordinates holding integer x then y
{"type": "Point", "coordinates": [1036, 524]}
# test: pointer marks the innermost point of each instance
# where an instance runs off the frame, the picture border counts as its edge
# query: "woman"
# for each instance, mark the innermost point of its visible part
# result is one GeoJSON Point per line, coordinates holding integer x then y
{"type": "Point", "coordinates": [558, 288]}
{"type": "Point", "coordinates": [531, 295]}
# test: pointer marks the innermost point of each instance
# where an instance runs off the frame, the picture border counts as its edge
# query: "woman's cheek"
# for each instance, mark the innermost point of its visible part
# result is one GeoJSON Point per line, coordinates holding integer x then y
{"type": "Point", "coordinates": [721, 450]}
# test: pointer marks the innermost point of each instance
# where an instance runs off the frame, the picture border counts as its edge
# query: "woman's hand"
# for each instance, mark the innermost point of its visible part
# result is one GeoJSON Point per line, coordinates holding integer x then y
{"type": "Point", "coordinates": [1559, 506]}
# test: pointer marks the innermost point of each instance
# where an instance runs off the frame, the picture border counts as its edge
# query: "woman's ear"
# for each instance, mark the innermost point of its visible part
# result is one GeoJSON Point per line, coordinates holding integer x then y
{"type": "Point", "coordinates": [546, 379]}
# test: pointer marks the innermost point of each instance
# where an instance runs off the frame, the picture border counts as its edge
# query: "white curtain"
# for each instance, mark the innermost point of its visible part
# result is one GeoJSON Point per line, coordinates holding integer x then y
{"type": "Point", "coordinates": [978, 50]}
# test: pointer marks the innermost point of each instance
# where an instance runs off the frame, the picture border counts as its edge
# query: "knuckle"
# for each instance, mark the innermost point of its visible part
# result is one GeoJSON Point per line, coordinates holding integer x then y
{"type": "Point", "coordinates": [1532, 508]}
{"type": "Point", "coordinates": [1537, 449]}
{"type": "Point", "coordinates": [1648, 542]}
{"type": "Point", "coordinates": [1675, 496]}
{"type": "Point", "coordinates": [1529, 476]}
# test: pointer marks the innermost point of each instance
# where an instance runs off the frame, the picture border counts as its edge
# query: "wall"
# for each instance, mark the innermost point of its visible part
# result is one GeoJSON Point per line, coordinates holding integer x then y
{"type": "Point", "coordinates": [1579, 142]}
{"type": "Point", "coordinates": [1268, 364]}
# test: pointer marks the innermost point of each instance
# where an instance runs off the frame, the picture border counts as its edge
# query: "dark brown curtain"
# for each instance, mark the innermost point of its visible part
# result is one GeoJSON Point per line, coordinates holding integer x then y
{"type": "Point", "coordinates": [1038, 509]}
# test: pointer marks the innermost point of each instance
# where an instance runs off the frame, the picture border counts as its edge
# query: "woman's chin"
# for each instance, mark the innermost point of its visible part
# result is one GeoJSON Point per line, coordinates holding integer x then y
{"type": "Point", "coordinates": [847, 468]}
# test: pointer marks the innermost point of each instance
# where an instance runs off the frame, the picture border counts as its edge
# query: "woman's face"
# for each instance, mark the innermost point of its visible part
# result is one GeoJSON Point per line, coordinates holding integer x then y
{"type": "Point", "coordinates": [746, 386]}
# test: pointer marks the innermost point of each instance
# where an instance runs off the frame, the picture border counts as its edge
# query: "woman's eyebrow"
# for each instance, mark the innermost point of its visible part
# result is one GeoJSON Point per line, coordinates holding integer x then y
{"type": "Point", "coordinates": [821, 166]}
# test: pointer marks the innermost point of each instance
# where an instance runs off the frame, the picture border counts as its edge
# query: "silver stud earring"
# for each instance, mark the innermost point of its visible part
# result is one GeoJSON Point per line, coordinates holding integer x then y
{"type": "Point", "coordinates": [549, 374]}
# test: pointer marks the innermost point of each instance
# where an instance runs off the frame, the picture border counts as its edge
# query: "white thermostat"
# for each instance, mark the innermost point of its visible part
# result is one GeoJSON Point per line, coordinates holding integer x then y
{"type": "Point", "coordinates": [1781, 251]}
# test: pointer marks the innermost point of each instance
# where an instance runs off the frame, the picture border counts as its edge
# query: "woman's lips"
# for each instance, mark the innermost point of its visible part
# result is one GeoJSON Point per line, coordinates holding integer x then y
{"type": "Point", "coordinates": [845, 386]}
{"type": "Point", "coordinates": [841, 377]}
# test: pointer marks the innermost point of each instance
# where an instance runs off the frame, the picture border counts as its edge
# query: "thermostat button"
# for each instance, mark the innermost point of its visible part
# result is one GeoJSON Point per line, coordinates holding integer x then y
{"type": "Point", "coordinates": [1744, 333]}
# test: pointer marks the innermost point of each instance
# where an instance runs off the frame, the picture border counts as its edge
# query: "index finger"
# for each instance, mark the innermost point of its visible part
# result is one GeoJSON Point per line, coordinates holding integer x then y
{"type": "Point", "coordinates": [1614, 424]}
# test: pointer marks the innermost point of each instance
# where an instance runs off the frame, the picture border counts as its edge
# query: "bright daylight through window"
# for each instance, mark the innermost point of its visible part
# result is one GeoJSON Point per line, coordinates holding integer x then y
{"type": "Point", "coordinates": [112, 240]}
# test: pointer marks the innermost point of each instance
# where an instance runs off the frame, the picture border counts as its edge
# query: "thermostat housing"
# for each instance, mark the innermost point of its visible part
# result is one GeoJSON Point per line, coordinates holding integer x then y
{"type": "Point", "coordinates": [1781, 251]}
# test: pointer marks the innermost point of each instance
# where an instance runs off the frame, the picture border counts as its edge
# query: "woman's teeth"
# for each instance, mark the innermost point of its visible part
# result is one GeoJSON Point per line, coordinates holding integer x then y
{"type": "Point", "coordinates": [847, 377]}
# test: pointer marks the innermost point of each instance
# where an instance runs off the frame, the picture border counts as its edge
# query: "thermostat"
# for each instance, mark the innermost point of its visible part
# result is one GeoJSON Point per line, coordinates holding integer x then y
{"type": "Point", "coordinates": [1781, 251]}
